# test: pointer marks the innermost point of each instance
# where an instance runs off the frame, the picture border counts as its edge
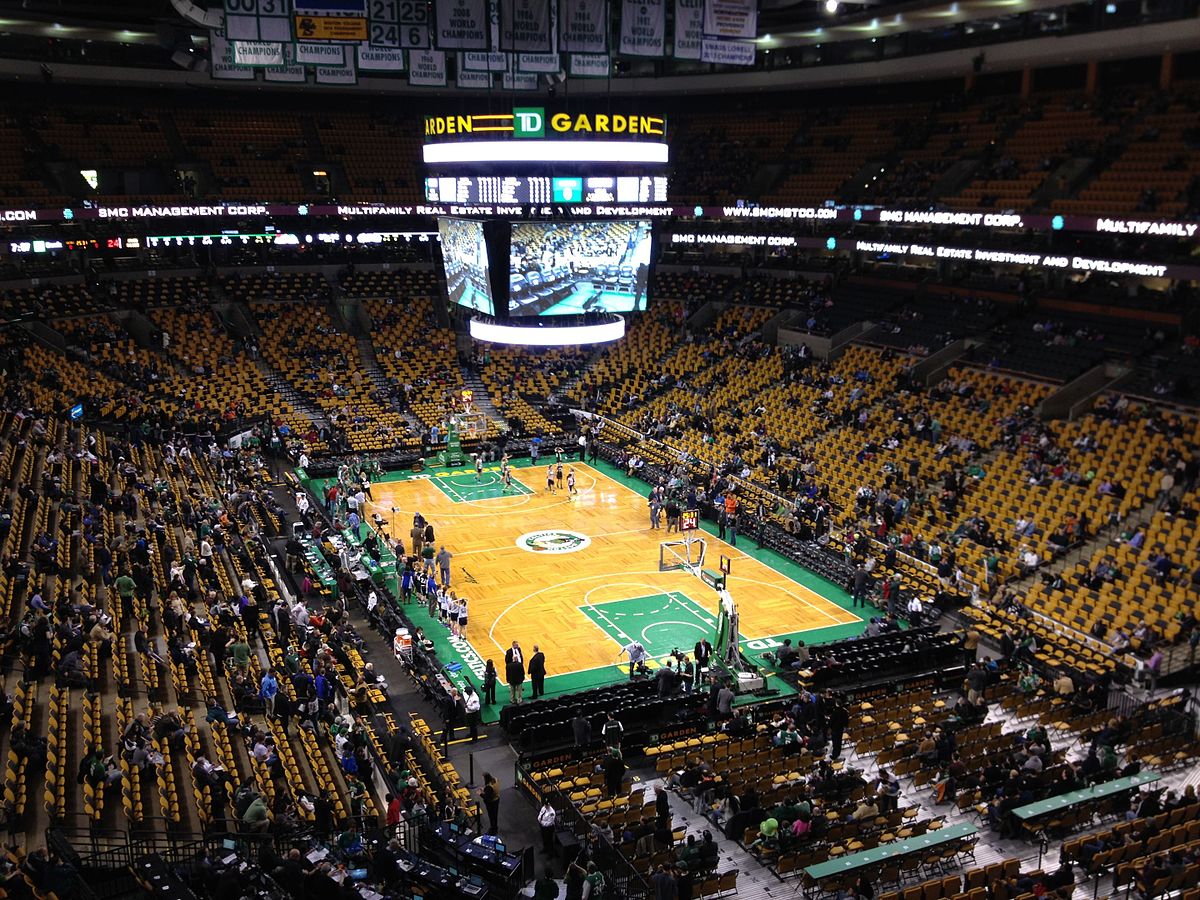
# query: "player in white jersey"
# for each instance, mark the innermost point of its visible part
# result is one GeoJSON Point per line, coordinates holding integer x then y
{"type": "Point", "coordinates": [571, 482]}
{"type": "Point", "coordinates": [478, 467]}
{"type": "Point", "coordinates": [550, 478]}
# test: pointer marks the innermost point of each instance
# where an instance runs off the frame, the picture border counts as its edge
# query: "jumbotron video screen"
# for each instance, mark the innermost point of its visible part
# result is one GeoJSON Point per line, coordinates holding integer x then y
{"type": "Point", "coordinates": [465, 258]}
{"type": "Point", "coordinates": [574, 267]}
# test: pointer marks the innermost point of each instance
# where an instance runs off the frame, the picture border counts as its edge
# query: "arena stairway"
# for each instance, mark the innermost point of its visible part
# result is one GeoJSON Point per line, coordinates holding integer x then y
{"type": "Point", "coordinates": [370, 364]}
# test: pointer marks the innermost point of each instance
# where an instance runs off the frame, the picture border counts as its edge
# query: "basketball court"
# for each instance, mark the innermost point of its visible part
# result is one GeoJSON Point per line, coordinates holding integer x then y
{"type": "Point", "coordinates": [579, 575]}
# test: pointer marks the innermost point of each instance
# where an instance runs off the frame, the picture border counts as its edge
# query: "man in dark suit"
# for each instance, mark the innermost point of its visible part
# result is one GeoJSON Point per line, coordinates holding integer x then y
{"type": "Point", "coordinates": [514, 672]}
{"type": "Point", "coordinates": [703, 653]}
{"type": "Point", "coordinates": [537, 672]}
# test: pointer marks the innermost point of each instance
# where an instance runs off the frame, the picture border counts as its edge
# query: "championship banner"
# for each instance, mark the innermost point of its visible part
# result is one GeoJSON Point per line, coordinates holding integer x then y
{"type": "Point", "coordinates": [548, 63]}
{"type": "Point", "coordinates": [221, 63]}
{"type": "Point", "coordinates": [461, 25]}
{"type": "Point", "coordinates": [473, 81]}
{"type": "Point", "coordinates": [590, 65]}
{"type": "Point", "coordinates": [257, 53]}
{"type": "Point", "coordinates": [689, 29]}
{"type": "Point", "coordinates": [519, 81]}
{"type": "Point", "coordinates": [728, 53]}
{"type": "Point", "coordinates": [330, 55]}
{"type": "Point", "coordinates": [380, 59]}
{"type": "Point", "coordinates": [483, 62]}
{"type": "Point", "coordinates": [583, 26]}
{"type": "Point", "coordinates": [344, 75]}
{"type": "Point", "coordinates": [525, 26]}
{"type": "Point", "coordinates": [427, 68]}
{"type": "Point", "coordinates": [731, 19]}
{"type": "Point", "coordinates": [643, 27]}
{"type": "Point", "coordinates": [289, 72]}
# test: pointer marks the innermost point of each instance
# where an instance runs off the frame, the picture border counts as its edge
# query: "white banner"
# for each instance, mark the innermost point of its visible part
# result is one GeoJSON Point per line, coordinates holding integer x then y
{"type": "Point", "coordinates": [525, 26]}
{"type": "Point", "coordinates": [689, 28]}
{"type": "Point", "coordinates": [427, 68]}
{"type": "Point", "coordinates": [519, 81]}
{"type": "Point", "coordinates": [728, 53]}
{"type": "Point", "coordinates": [221, 64]}
{"type": "Point", "coordinates": [474, 81]}
{"type": "Point", "coordinates": [592, 65]}
{"type": "Point", "coordinates": [329, 55]}
{"type": "Point", "coordinates": [461, 25]}
{"type": "Point", "coordinates": [483, 62]}
{"type": "Point", "coordinates": [257, 53]}
{"type": "Point", "coordinates": [289, 72]}
{"type": "Point", "coordinates": [539, 62]}
{"type": "Point", "coordinates": [643, 27]}
{"type": "Point", "coordinates": [380, 59]}
{"type": "Point", "coordinates": [731, 19]}
{"type": "Point", "coordinates": [583, 26]}
{"type": "Point", "coordinates": [337, 75]}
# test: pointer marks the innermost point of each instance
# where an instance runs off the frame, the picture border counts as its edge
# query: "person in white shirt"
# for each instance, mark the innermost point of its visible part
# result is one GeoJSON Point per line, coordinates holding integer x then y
{"type": "Point", "coordinates": [444, 607]}
{"type": "Point", "coordinates": [916, 612]}
{"type": "Point", "coordinates": [471, 705]}
{"type": "Point", "coordinates": [546, 819]}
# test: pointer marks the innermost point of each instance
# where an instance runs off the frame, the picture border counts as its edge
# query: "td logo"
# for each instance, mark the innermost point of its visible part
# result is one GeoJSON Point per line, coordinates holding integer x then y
{"type": "Point", "coordinates": [529, 121]}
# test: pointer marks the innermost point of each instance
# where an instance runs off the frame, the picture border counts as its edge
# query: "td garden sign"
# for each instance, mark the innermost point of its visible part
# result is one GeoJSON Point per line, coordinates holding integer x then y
{"type": "Point", "coordinates": [535, 122]}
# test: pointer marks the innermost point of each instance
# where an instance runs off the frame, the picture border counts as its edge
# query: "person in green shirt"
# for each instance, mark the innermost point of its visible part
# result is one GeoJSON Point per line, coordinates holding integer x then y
{"type": "Point", "coordinates": [595, 878]}
{"type": "Point", "coordinates": [240, 651]}
{"type": "Point", "coordinates": [257, 817]}
{"type": "Point", "coordinates": [125, 586]}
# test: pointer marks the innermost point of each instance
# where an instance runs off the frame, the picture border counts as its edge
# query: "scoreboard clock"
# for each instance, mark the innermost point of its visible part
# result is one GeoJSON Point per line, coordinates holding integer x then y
{"type": "Point", "coordinates": [689, 520]}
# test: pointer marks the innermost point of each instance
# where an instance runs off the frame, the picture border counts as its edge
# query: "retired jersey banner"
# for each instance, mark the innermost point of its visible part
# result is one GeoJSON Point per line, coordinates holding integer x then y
{"type": "Point", "coordinates": [221, 61]}
{"type": "Point", "coordinates": [525, 26]}
{"type": "Point", "coordinates": [583, 26]}
{"type": "Point", "coordinates": [380, 59]}
{"type": "Point", "coordinates": [728, 53]}
{"type": "Point", "coordinates": [643, 28]}
{"type": "Point", "coordinates": [427, 68]}
{"type": "Point", "coordinates": [689, 29]}
{"type": "Point", "coordinates": [731, 19]}
{"type": "Point", "coordinates": [590, 65]}
{"type": "Point", "coordinates": [483, 62]}
{"type": "Point", "coordinates": [461, 25]}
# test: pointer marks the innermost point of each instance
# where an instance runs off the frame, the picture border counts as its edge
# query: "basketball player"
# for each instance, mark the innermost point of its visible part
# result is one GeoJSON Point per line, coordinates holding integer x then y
{"type": "Point", "coordinates": [506, 477]}
{"type": "Point", "coordinates": [558, 474]}
{"type": "Point", "coordinates": [550, 478]}
{"type": "Point", "coordinates": [571, 482]}
{"type": "Point", "coordinates": [478, 467]}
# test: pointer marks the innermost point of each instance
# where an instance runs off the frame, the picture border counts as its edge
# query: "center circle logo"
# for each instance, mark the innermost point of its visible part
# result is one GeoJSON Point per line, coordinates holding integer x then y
{"type": "Point", "coordinates": [553, 541]}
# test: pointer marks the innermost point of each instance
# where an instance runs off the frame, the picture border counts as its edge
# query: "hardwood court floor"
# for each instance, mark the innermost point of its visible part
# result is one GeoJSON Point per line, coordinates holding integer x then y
{"type": "Point", "coordinates": [538, 567]}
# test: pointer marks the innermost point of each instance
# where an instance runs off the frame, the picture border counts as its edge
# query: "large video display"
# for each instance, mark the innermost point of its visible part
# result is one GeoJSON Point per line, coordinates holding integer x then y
{"type": "Point", "coordinates": [465, 257]}
{"type": "Point", "coordinates": [574, 267]}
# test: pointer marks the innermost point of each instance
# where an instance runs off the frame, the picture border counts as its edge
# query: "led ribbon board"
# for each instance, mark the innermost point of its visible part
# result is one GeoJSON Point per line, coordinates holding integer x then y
{"type": "Point", "coordinates": [546, 151]}
{"type": "Point", "coordinates": [569, 335]}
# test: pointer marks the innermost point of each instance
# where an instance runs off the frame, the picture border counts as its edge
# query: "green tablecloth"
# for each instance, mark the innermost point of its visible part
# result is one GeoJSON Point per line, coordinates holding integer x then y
{"type": "Point", "coordinates": [887, 852]}
{"type": "Point", "coordinates": [1085, 795]}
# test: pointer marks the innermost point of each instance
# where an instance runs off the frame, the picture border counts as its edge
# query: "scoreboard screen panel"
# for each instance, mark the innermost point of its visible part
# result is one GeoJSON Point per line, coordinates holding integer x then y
{"type": "Point", "coordinates": [598, 190]}
{"type": "Point", "coordinates": [689, 520]}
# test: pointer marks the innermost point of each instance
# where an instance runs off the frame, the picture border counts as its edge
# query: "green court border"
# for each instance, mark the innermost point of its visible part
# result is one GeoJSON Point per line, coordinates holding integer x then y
{"type": "Point", "coordinates": [616, 672]}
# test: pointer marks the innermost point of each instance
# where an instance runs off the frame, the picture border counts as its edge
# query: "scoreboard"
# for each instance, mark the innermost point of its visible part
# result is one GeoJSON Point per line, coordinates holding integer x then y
{"type": "Point", "coordinates": [537, 189]}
